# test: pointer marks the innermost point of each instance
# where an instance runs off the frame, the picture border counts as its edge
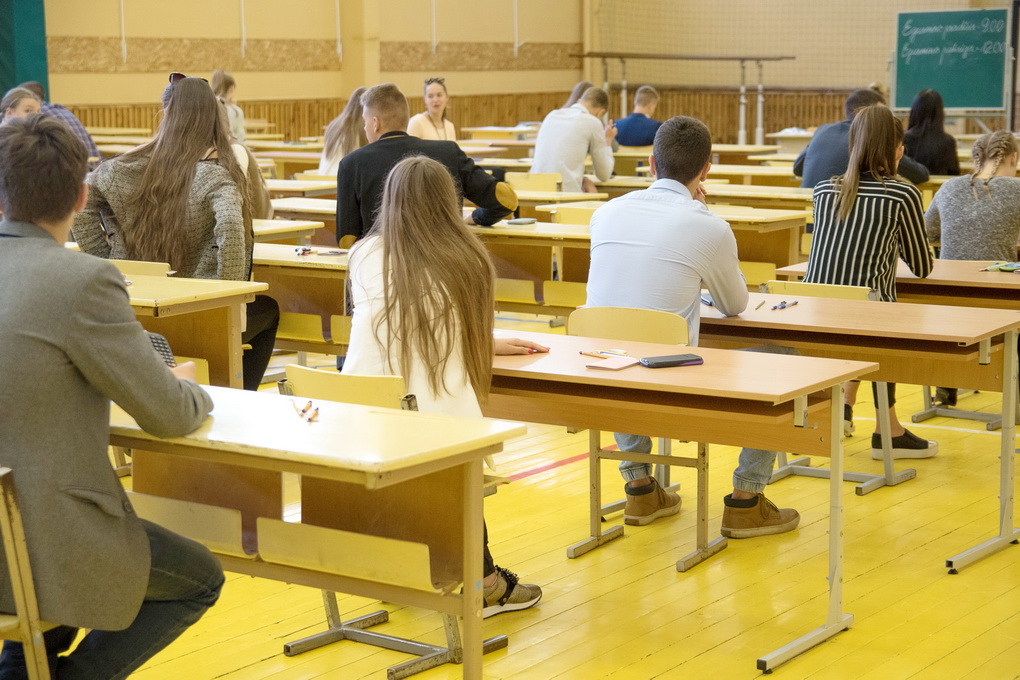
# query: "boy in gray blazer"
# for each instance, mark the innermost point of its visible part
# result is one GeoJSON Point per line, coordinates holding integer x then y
{"type": "Point", "coordinates": [69, 343]}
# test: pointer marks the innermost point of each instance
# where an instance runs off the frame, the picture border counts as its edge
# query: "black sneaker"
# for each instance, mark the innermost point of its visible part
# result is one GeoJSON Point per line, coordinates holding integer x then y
{"type": "Point", "coordinates": [907, 445]}
{"type": "Point", "coordinates": [508, 594]}
{"type": "Point", "coordinates": [848, 420]}
{"type": "Point", "coordinates": [945, 396]}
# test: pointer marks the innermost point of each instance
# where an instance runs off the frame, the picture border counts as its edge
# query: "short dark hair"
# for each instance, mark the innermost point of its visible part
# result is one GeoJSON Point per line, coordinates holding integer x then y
{"type": "Point", "coordinates": [682, 148]}
{"type": "Point", "coordinates": [388, 104]}
{"type": "Point", "coordinates": [42, 167]}
{"type": "Point", "coordinates": [858, 99]}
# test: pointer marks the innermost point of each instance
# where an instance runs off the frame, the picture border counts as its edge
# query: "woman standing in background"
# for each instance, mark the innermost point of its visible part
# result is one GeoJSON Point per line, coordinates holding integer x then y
{"type": "Point", "coordinates": [433, 123]}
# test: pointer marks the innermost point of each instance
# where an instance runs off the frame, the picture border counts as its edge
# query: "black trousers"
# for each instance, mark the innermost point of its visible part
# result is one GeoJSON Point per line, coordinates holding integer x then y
{"type": "Point", "coordinates": [263, 320]}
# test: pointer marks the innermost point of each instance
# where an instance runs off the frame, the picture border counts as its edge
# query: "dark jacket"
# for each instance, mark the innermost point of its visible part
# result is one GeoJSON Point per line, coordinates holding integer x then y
{"type": "Point", "coordinates": [363, 172]}
{"type": "Point", "coordinates": [828, 154]}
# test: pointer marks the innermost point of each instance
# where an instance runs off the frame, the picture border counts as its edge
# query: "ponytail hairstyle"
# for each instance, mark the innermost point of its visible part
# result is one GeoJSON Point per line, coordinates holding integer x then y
{"type": "Point", "coordinates": [437, 278]}
{"type": "Point", "coordinates": [193, 125]}
{"type": "Point", "coordinates": [996, 147]}
{"type": "Point", "coordinates": [875, 136]}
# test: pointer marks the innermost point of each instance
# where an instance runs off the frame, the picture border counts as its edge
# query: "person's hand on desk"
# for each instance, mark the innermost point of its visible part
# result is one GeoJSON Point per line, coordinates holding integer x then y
{"type": "Point", "coordinates": [186, 371]}
{"type": "Point", "coordinates": [505, 346]}
{"type": "Point", "coordinates": [588, 186]}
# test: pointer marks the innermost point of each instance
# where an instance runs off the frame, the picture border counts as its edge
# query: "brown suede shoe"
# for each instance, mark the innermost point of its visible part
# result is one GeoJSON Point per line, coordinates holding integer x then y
{"type": "Point", "coordinates": [648, 503]}
{"type": "Point", "coordinates": [761, 519]}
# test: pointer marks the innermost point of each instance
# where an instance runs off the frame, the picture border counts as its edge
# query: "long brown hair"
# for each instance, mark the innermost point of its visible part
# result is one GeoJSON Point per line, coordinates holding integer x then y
{"type": "Point", "coordinates": [192, 125]}
{"type": "Point", "coordinates": [438, 279]}
{"type": "Point", "coordinates": [346, 132]}
{"type": "Point", "coordinates": [995, 146]}
{"type": "Point", "coordinates": [875, 136]}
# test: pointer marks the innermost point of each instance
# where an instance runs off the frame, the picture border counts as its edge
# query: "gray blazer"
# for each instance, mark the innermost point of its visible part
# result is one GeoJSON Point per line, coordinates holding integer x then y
{"type": "Point", "coordinates": [69, 343]}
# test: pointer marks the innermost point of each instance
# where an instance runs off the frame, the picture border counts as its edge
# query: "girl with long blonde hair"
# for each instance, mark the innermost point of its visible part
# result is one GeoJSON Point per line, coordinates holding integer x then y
{"type": "Point", "coordinates": [344, 134]}
{"type": "Point", "coordinates": [184, 199]}
{"type": "Point", "coordinates": [865, 220]}
{"type": "Point", "coordinates": [422, 288]}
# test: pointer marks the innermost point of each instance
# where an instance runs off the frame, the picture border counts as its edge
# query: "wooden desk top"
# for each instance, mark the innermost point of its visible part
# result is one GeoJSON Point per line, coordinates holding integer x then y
{"type": "Point", "coordinates": [290, 155]}
{"type": "Point", "coordinates": [300, 188]}
{"type": "Point", "coordinates": [965, 273]}
{"type": "Point", "coordinates": [507, 143]}
{"type": "Point", "coordinates": [729, 374]}
{"type": "Point", "coordinates": [865, 318]}
{"type": "Point", "coordinates": [515, 164]}
{"type": "Point", "coordinates": [757, 191]}
{"type": "Point", "coordinates": [310, 206]}
{"type": "Point", "coordinates": [740, 214]}
{"type": "Point", "coordinates": [499, 128]}
{"type": "Point", "coordinates": [274, 145]}
{"type": "Point", "coordinates": [121, 139]}
{"type": "Point", "coordinates": [580, 233]}
{"type": "Point", "coordinates": [374, 446]}
{"type": "Point", "coordinates": [145, 132]}
{"type": "Point", "coordinates": [773, 157]}
{"type": "Point", "coordinates": [642, 153]}
{"type": "Point", "coordinates": [628, 182]}
{"type": "Point", "coordinates": [281, 255]}
{"type": "Point", "coordinates": [558, 196]}
{"type": "Point", "coordinates": [257, 124]}
{"type": "Point", "coordinates": [266, 228]}
{"type": "Point", "coordinates": [790, 135]}
{"type": "Point", "coordinates": [751, 170]}
{"type": "Point", "coordinates": [154, 292]}
{"type": "Point", "coordinates": [478, 151]}
{"type": "Point", "coordinates": [115, 149]}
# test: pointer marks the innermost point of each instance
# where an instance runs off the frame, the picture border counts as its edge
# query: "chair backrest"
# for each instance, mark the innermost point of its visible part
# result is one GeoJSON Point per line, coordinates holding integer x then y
{"type": "Point", "coordinates": [828, 290]}
{"type": "Point", "coordinates": [535, 181]}
{"type": "Point", "coordinates": [314, 177]}
{"type": "Point", "coordinates": [29, 629]}
{"type": "Point", "coordinates": [568, 214]}
{"type": "Point", "coordinates": [564, 293]}
{"type": "Point", "coordinates": [141, 268]}
{"type": "Point", "coordinates": [757, 273]}
{"type": "Point", "coordinates": [384, 391]}
{"type": "Point", "coordinates": [515, 290]}
{"type": "Point", "coordinates": [627, 323]}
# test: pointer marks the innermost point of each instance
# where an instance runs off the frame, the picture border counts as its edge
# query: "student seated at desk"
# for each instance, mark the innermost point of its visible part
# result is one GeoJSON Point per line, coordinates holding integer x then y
{"type": "Point", "coordinates": [66, 117]}
{"type": "Point", "coordinates": [183, 198]}
{"type": "Point", "coordinates": [344, 134]}
{"type": "Point", "coordinates": [568, 136]}
{"type": "Point", "coordinates": [865, 220]}
{"type": "Point", "coordinates": [656, 249]}
{"type": "Point", "coordinates": [422, 287]}
{"type": "Point", "coordinates": [433, 123]}
{"type": "Point", "coordinates": [69, 343]}
{"type": "Point", "coordinates": [977, 216]}
{"type": "Point", "coordinates": [639, 128]}
{"type": "Point", "coordinates": [225, 88]}
{"type": "Point", "coordinates": [926, 139]}
{"type": "Point", "coordinates": [18, 103]}
{"type": "Point", "coordinates": [363, 172]}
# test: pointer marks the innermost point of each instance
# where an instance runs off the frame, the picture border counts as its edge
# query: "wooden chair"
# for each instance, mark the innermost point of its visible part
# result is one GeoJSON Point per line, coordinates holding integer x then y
{"type": "Point", "coordinates": [24, 627]}
{"type": "Point", "coordinates": [142, 268]}
{"type": "Point", "coordinates": [569, 214]}
{"type": "Point", "coordinates": [535, 181]}
{"type": "Point", "coordinates": [818, 290]}
{"type": "Point", "coordinates": [564, 293]}
{"type": "Point", "coordinates": [516, 295]}
{"type": "Point", "coordinates": [757, 273]}
{"type": "Point", "coordinates": [409, 562]}
{"type": "Point", "coordinates": [805, 244]}
{"type": "Point", "coordinates": [641, 325]}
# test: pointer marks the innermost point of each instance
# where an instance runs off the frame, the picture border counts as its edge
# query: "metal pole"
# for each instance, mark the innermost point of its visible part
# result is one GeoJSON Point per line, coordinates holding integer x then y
{"type": "Point", "coordinates": [759, 129]}
{"type": "Point", "coordinates": [605, 74]}
{"type": "Point", "coordinates": [623, 88]}
{"type": "Point", "coordinates": [742, 132]}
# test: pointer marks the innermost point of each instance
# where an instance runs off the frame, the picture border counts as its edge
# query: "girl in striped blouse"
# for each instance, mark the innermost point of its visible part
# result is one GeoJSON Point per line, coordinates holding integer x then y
{"type": "Point", "coordinates": [865, 220]}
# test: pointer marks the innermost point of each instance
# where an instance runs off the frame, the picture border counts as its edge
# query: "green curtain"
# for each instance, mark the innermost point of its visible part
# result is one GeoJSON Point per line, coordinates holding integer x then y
{"type": "Point", "coordinates": [22, 43]}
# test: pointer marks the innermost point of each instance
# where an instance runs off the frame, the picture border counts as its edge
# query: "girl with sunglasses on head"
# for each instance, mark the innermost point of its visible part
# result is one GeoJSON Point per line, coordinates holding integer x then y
{"type": "Point", "coordinates": [184, 198]}
{"type": "Point", "coordinates": [433, 123]}
{"type": "Point", "coordinates": [422, 287]}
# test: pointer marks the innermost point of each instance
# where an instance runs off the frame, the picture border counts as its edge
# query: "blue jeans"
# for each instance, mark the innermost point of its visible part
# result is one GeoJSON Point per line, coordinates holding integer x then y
{"type": "Point", "coordinates": [184, 581]}
{"type": "Point", "coordinates": [754, 468]}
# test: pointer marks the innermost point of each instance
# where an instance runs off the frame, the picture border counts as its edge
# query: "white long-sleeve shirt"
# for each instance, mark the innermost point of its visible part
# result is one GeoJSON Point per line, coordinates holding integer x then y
{"type": "Point", "coordinates": [657, 248]}
{"type": "Point", "coordinates": [567, 137]}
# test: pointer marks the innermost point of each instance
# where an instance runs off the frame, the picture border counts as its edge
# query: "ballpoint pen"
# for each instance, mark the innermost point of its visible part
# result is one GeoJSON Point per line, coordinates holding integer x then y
{"type": "Point", "coordinates": [759, 305]}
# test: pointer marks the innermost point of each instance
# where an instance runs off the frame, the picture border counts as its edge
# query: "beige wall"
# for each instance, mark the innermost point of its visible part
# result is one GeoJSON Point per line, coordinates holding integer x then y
{"type": "Point", "coordinates": [836, 44]}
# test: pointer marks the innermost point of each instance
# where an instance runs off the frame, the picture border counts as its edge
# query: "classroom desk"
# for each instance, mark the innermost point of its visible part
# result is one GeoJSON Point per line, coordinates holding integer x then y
{"type": "Point", "coordinates": [310, 292]}
{"type": "Point", "coordinates": [528, 200]}
{"type": "Point", "coordinates": [111, 150]}
{"type": "Point", "coordinates": [287, 231]}
{"type": "Point", "coordinates": [501, 134]}
{"type": "Point", "coordinates": [257, 125]}
{"type": "Point", "coordinates": [508, 164]}
{"type": "Point", "coordinates": [119, 131]}
{"type": "Point", "coordinates": [289, 162]}
{"type": "Point", "coordinates": [781, 159]}
{"type": "Point", "coordinates": [791, 142]}
{"type": "Point", "coordinates": [505, 148]}
{"type": "Point", "coordinates": [929, 188]}
{"type": "Point", "coordinates": [763, 235]}
{"type": "Point", "coordinates": [628, 158]}
{"type": "Point", "coordinates": [121, 139]}
{"type": "Point", "coordinates": [267, 135]}
{"type": "Point", "coordinates": [618, 185]}
{"type": "Point", "coordinates": [410, 482]}
{"type": "Point", "coordinates": [276, 145]}
{"type": "Point", "coordinates": [915, 344]}
{"type": "Point", "coordinates": [320, 209]}
{"type": "Point", "coordinates": [286, 188]}
{"type": "Point", "coordinates": [199, 317]}
{"type": "Point", "coordinates": [481, 150]}
{"type": "Point", "coordinates": [756, 174]}
{"type": "Point", "coordinates": [781, 402]}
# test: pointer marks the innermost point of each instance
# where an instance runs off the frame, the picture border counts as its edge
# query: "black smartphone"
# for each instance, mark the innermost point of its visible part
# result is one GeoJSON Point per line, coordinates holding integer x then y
{"type": "Point", "coordinates": [706, 298]}
{"type": "Point", "coordinates": [672, 360]}
{"type": "Point", "coordinates": [162, 347]}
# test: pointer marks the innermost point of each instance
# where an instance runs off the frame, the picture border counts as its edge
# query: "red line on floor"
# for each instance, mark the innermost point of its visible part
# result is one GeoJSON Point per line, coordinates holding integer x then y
{"type": "Point", "coordinates": [552, 466]}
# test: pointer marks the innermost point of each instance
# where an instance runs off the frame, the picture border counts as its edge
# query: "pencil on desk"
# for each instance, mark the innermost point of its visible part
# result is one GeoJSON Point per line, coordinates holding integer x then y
{"type": "Point", "coordinates": [759, 305]}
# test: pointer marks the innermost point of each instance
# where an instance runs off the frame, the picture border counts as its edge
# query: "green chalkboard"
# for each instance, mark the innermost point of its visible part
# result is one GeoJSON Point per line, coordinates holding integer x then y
{"type": "Point", "coordinates": [962, 54]}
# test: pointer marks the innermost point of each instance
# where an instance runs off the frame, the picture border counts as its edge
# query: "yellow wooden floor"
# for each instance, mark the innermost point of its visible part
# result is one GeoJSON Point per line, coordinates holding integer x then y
{"type": "Point", "coordinates": [624, 612]}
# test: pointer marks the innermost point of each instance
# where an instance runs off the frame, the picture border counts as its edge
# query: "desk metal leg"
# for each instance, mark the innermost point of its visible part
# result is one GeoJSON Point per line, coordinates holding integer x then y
{"type": "Point", "coordinates": [704, 548]}
{"type": "Point", "coordinates": [1008, 534]}
{"type": "Point", "coordinates": [866, 482]}
{"type": "Point", "coordinates": [836, 620]}
{"type": "Point", "coordinates": [596, 536]}
{"type": "Point", "coordinates": [992, 421]}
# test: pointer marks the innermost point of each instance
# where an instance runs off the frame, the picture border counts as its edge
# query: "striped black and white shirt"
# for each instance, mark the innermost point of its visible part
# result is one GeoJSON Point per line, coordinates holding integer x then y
{"type": "Point", "coordinates": [886, 223]}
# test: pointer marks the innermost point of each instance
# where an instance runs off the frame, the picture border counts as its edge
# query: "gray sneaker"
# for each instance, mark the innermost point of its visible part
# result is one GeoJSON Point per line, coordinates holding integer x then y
{"type": "Point", "coordinates": [508, 594]}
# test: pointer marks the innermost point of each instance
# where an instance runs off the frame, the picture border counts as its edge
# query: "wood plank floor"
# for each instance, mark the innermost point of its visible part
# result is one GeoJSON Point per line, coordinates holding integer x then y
{"type": "Point", "coordinates": [623, 611]}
